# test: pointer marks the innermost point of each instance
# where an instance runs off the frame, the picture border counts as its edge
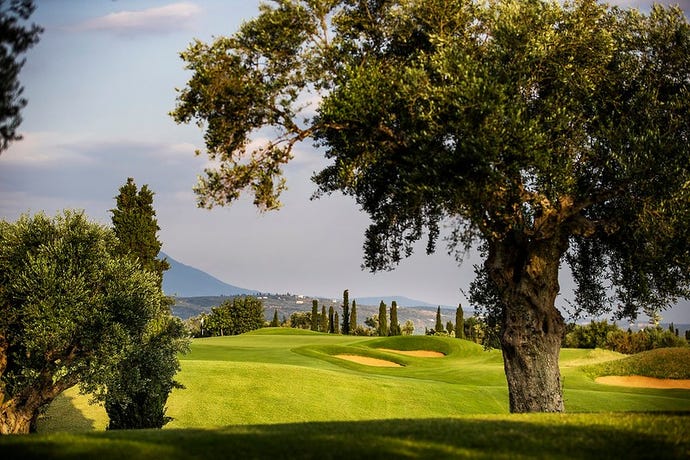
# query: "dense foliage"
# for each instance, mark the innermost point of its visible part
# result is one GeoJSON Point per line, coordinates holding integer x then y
{"type": "Point", "coordinates": [15, 39]}
{"type": "Point", "coordinates": [237, 316]}
{"type": "Point", "coordinates": [69, 310]}
{"type": "Point", "coordinates": [602, 334]}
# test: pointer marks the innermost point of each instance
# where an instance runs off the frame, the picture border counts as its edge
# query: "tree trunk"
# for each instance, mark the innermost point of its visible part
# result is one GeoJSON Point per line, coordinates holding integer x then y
{"type": "Point", "coordinates": [19, 414]}
{"type": "Point", "coordinates": [526, 274]}
{"type": "Point", "coordinates": [13, 421]}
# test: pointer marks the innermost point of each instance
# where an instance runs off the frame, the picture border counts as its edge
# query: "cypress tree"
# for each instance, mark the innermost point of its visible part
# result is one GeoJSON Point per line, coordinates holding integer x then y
{"type": "Point", "coordinates": [314, 315]}
{"type": "Point", "coordinates": [274, 322]}
{"type": "Point", "coordinates": [459, 323]}
{"type": "Point", "coordinates": [138, 389]}
{"type": "Point", "coordinates": [135, 225]}
{"type": "Point", "coordinates": [336, 324]}
{"type": "Point", "coordinates": [395, 326]}
{"type": "Point", "coordinates": [323, 327]}
{"type": "Point", "coordinates": [346, 313]}
{"type": "Point", "coordinates": [383, 322]}
{"type": "Point", "coordinates": [331, 323]}
{"type": "Point", "coordinates": [353, 317]}
{"type": "Point", "coordinates": [439, 321]}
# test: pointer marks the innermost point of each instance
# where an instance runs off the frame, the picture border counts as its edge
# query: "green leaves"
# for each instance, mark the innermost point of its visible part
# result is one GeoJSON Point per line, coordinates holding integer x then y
{"type": "Point", "coordinates": [546, 120]}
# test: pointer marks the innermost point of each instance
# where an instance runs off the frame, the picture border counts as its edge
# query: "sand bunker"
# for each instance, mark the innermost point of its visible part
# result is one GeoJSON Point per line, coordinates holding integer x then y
{"type": "Point", "coordinates": [416, 353]}
{"type": "Point", "coordinates": [368, 361]}
{"type": "Point", "coordinates": [643, 382]}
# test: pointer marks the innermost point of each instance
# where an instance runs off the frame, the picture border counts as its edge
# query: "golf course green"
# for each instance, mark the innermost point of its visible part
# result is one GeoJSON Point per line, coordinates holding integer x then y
{"type": "Point", "coordinates": [285, 393]}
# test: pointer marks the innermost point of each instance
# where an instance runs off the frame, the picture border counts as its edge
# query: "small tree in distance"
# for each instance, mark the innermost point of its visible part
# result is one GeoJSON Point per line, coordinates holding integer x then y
{"type": "Point", "coordinates": [353, 317]}
{"type": "Point", "coordinates": [459, 323]}
{"type": "Point", "coordinates": [346, 313]}
{"type": "Point", "coordinates": [395, 325]}
{"type": "Point", "coordinates": [314, 315]}
{"type": "Point", "coordinates": [439, 321]}
{"type": "Point", "coordinates": [323, 326]}
{"type": "Point", "coordinates": [408, 328]}
{"type": "Point", "coordinates": [383, 321]}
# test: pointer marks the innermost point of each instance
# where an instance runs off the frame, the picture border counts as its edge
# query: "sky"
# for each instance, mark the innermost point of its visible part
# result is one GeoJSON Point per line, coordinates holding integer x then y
{"type": "Point", "coordinates": [100, 85]}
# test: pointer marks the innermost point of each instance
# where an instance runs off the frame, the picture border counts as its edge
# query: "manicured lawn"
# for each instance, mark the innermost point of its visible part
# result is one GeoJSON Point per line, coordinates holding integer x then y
{"type": "Point", "coordinates": [278, 393]}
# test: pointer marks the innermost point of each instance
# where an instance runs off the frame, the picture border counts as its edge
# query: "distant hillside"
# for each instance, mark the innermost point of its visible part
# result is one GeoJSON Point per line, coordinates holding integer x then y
{"type": "Point", "coordinates": [185, 281]}
{"type": "Point", "coordinates": [287, 304]}
{"type": "Point", "coordinates": [388, 300]}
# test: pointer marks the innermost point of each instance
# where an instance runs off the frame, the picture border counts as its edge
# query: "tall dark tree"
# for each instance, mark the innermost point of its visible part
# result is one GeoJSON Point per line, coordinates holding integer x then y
{"type": "Point", "coordinates": [331, 320]}
{"type": "Point", "coordinates": [139, 387]}
{"type": "Point", "coordinates": [323, 326]}
{"type": "Point", "coordinates": [314, 315]}
{"type": "Point", "coordinates": [274, 321]}
{"type": "Point", "coordinates": [459, 323]}
{"type": "Point", "coordinates": [395, 325]}
{"type": "Point", "coordinates": [540, 131]}
{"type": "Point", "coordinates": [336, 324]}
{"type": "Point", "coordinates": [136, 227]}
{"type": "Point", "coordinates": [353, 317]}
{"type": "Point", "coordinates": [383, 321]}
{"type": "Point", "coordinates": [346, 313]}
{"type": "Point", "coordinates": [439, 321]}
{"type": "Point", "coordinates": [16, 37]}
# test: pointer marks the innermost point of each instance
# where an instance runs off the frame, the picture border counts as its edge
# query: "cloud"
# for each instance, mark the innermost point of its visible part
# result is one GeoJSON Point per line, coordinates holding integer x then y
{"type": "Point", "coordinates": [164, 19]}
{"type": "Point", "coordinates": [43, 149]}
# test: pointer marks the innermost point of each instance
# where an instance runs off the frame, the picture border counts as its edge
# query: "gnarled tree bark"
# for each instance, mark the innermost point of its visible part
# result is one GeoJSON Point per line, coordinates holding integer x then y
{"type": "Point", "coordinates": [526, 274]}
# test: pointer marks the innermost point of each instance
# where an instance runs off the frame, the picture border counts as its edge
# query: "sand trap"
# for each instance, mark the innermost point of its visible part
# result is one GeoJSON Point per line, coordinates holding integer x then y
{"type": "Point", "coordinates": [416, 353]}
{"type": "Point", "coordinates": [643, 382]}
{"type": "Point", "coordinates": [368, 361]}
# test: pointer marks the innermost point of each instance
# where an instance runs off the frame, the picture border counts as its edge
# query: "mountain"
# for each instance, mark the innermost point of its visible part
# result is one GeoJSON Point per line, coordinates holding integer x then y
{"type": "Point", "coordinates": [401, 301]}
{"type": "Point", "coordinates": [184, 281]}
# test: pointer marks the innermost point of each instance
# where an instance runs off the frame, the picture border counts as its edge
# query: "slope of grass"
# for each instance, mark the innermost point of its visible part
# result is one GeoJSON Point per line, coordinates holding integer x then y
{"type": "Point", "coordinates": [663, 363]}
{"type": "Point", "coordinates": [552, 436]}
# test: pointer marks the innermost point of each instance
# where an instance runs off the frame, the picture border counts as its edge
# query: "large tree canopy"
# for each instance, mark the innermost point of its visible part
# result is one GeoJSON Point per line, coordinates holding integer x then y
{"type": "Point", "coordinates": [543, 131]}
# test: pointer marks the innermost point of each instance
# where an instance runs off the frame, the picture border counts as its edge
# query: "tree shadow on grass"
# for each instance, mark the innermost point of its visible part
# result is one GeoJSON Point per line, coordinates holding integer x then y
{"type": "Point", "coordinates": [579, 436]}
{"type": "Point", "coordinates": [64, 415]}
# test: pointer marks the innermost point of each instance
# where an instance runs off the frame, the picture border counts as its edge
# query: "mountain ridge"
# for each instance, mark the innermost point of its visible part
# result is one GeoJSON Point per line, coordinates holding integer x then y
{"type": "Point", "coordinates": [186, 281]}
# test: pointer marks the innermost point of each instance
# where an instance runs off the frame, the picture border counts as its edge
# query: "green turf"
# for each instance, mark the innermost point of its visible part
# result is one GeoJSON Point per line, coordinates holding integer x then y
{"type": "Point", "coordinates": [547, 436]}
{"type": "Point", "coordinates": [278, 388]}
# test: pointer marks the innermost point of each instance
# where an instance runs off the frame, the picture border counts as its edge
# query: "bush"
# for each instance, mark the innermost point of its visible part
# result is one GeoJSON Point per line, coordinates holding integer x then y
{"type": "Point", "coordinates": [593, 335]}
{"type": "Point", "coordinates": [630, 343]}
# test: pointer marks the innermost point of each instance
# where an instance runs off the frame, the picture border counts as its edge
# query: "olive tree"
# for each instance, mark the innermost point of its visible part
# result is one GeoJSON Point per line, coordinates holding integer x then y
{"type": "Point", "coordinates": [539, 131]}
{"type": "Point", "coordinates": [68, 309]}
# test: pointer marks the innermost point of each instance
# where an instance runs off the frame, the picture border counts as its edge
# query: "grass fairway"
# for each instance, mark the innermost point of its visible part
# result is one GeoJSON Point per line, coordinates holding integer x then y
{"type": "Point", "coordinates": [284, 394]}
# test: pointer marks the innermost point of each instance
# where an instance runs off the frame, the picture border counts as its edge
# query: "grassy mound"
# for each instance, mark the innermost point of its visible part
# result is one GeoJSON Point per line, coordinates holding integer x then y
{"type": "Point", "coordinates": [662, 363]}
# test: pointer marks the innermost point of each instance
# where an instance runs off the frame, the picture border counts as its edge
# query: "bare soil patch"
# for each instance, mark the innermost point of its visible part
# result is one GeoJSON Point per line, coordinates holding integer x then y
{"type": "Point", "coordinates": [638, 381]}
{"type": "Point", "coordinates": [416, 353]}
{"type": "Point", "coordinates": [368, 361]}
